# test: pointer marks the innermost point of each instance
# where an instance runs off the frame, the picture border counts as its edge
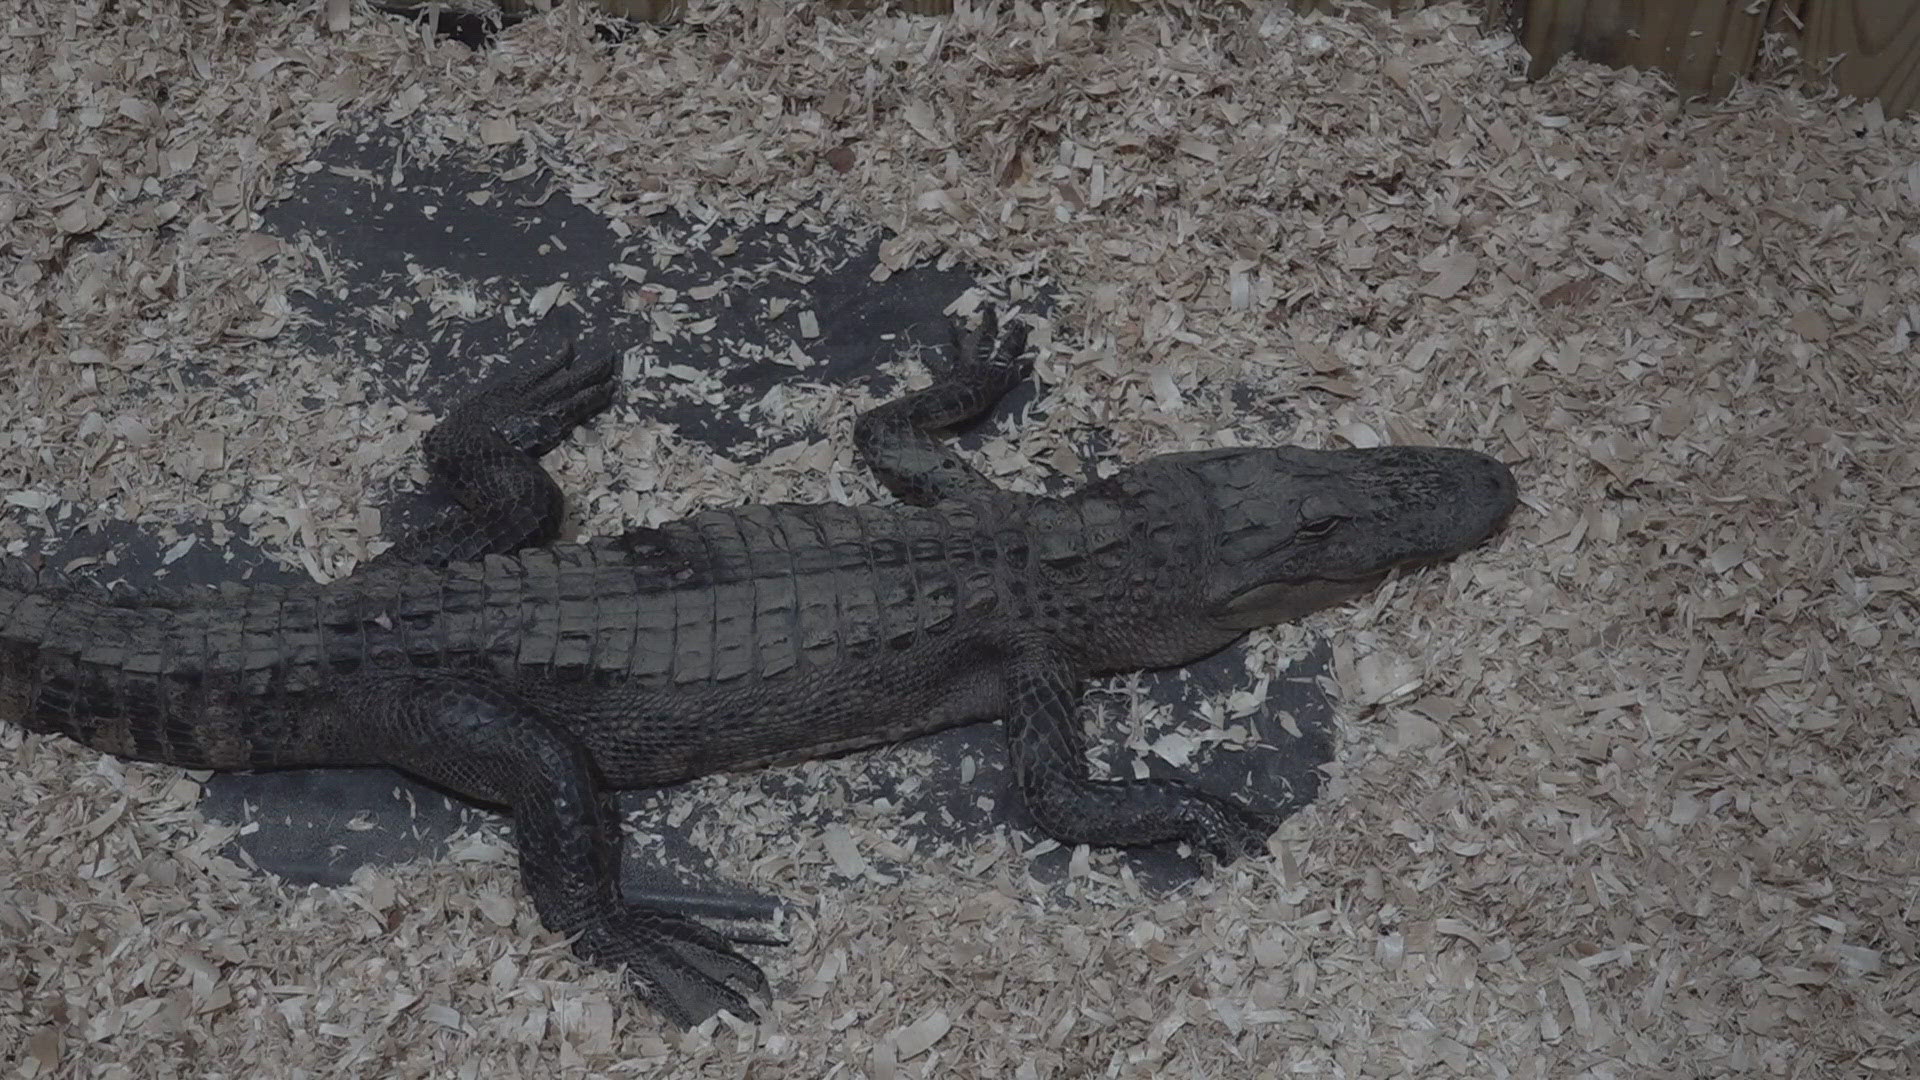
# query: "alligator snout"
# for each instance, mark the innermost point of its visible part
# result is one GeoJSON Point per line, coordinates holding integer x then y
{"type": "Point", "coordinates": [1472, 495]}
{"type": "Point", "coordinates": [1493, 488]}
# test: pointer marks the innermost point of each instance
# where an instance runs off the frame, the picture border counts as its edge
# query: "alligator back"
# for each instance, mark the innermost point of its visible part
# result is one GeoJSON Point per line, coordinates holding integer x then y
{"type": "Point", "coordinates": [229, 678]}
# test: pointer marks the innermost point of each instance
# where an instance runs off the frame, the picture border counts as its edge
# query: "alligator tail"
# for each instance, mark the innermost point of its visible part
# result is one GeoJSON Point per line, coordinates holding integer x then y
{"type": "Point", "coordinates": [58, 638]}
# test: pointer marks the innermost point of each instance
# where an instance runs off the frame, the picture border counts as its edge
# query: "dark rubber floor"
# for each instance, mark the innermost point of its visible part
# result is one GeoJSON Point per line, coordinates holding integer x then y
{"type": "Point", "coordinates": [379, 235]}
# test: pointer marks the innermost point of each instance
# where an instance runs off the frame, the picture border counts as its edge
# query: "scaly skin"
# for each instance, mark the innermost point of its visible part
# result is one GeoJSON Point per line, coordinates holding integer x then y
{"type": "Point", "coordinates": [540, 679]}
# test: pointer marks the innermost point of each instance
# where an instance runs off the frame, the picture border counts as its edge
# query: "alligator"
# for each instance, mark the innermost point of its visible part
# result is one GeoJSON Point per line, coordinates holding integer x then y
{"type": "Point", "coordinates": [479, 656]}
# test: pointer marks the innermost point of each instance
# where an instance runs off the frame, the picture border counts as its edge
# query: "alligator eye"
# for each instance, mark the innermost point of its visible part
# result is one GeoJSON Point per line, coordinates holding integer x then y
{"type": "Point", "coordinates": [1318, 527]}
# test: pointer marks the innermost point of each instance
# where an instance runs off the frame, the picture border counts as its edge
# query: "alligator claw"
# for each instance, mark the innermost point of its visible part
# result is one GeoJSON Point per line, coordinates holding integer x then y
{"type": "Point", "coordinates": [966, 343]}
{"type": "Point", "coordinates": [1228, 830]}
{"type": "Point", "coordinates": [681, 969]}
{"type": "Point", "coordinates": [536, 410]}
{"type": "Point", "coordinates": [1002, 358]}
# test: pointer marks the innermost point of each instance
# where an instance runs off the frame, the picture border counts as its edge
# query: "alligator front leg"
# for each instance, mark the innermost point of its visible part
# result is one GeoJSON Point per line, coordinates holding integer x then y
{"type": "Point", "coordinates": [487, 454]}
{"type": "Point", "coordinates": [897, 440]}
{"type": "Point", "coordinates": [1051, 771]}
{"type": "Point", "coordinates": [486, 742]}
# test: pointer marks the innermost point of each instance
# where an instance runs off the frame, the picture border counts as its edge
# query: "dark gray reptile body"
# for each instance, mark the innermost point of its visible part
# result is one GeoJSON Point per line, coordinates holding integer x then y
{"type": "Point", "coordinates": [738, 637]}
{"type": "Point", "coordinates": [811, 629]}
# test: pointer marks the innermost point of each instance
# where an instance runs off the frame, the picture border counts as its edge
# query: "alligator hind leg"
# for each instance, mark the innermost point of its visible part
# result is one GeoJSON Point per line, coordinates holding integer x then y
{"type": "Point", "coordinates": [486, 453]}
{"type": "Point", "coordinates": [897, 440]}
{"type": "Point", "coordinates": [1050, 769]}
{"type": "Point", "coordinates": [484, 741]}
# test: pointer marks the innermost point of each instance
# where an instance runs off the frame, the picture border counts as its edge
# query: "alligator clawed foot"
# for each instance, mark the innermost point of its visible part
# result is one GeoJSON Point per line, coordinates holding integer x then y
{"type": "Point", "coordinates": [1000, 360]}
{"type": "Point", "coordinates": [535, 409]}
{"type": "Point", "coordinates": [681, 969]}
{"type": "Point", "coordinates": [1228, 830]}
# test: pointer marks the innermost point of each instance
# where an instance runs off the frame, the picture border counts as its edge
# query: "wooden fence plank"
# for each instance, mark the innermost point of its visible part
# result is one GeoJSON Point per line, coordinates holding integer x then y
{"type": "Point", "coordinates": [1703, 44]}
{"type": "Point", "coordinates": [1878, 43]}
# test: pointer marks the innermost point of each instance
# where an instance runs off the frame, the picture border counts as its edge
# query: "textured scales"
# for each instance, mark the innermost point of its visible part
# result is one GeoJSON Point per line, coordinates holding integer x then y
{"type": "Point", "coordinates": [541, 678]}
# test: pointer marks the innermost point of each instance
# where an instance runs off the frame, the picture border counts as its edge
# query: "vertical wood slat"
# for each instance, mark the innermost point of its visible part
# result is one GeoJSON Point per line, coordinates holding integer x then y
{"type": "Point", "coordinates": [1878, 45]}
{"type": "Point", "coordinates": [1703, 44]}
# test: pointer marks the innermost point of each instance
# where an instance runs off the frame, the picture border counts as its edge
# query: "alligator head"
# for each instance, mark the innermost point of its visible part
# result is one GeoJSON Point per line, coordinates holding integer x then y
{"type": "Point", "coordinates": [1297, 530]}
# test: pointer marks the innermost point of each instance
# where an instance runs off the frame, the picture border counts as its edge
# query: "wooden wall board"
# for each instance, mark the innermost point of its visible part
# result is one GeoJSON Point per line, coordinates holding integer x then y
{"type": "Point", "coordinates": [1877, 43]}
{"type": "Point", "coordinates": [1870, 48]}
{"type": "Point", "coordinates": [1703, 44]}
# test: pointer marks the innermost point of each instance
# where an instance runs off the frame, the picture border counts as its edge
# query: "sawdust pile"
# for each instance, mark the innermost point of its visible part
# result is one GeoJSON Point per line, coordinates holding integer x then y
{"type": "Point", "coordinates": [1632, 792]}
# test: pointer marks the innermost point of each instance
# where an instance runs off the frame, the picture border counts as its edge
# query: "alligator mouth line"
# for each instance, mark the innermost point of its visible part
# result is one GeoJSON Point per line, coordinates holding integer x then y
{"type": "Point", "coordinates": [1409, 565]}
{"type": "Point", "coordinates": [1369, 578]}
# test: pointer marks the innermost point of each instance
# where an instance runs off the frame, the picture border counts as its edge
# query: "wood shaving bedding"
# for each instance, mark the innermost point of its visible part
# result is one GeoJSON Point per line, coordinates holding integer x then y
{"type": "Point", "coordinates": [1635, 791]}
